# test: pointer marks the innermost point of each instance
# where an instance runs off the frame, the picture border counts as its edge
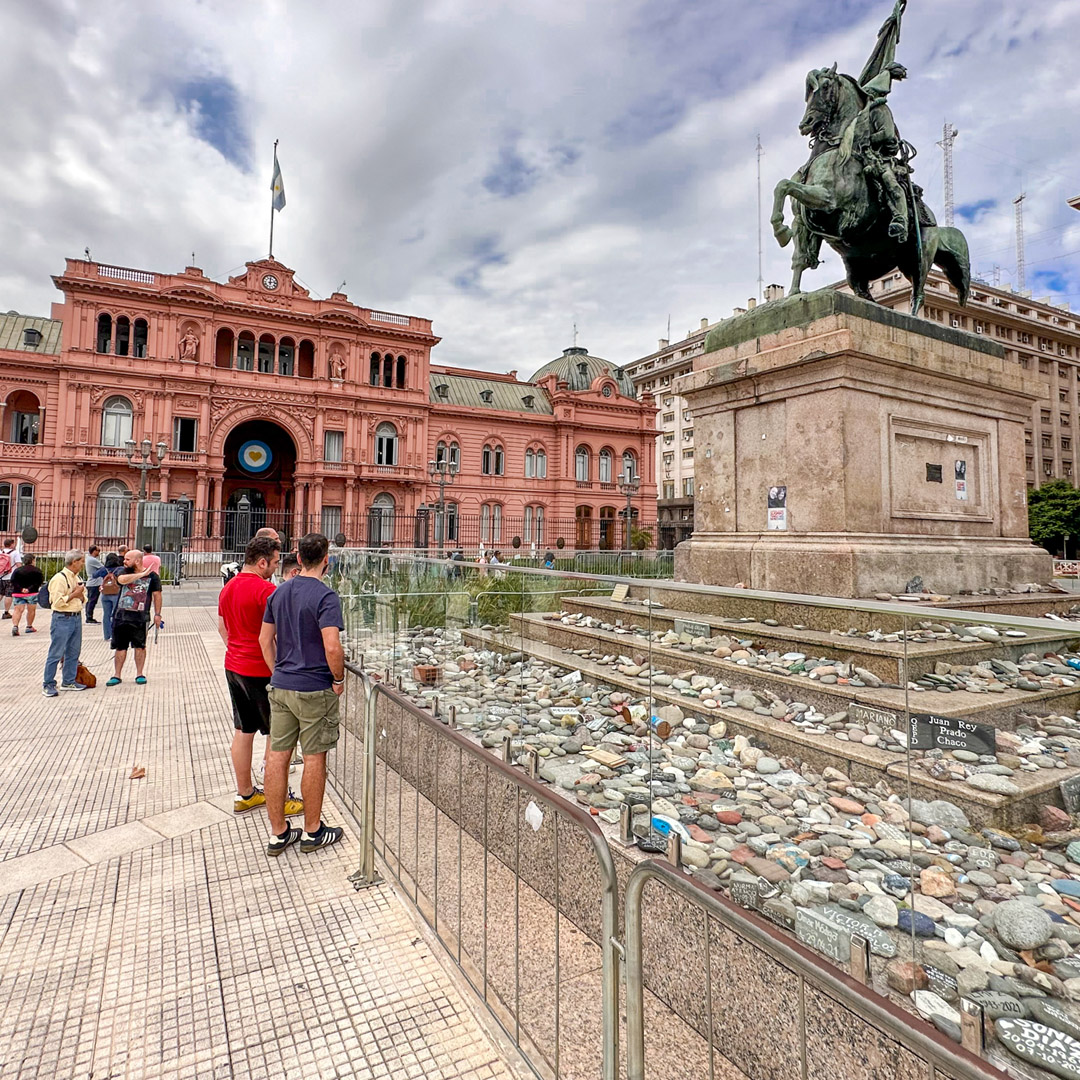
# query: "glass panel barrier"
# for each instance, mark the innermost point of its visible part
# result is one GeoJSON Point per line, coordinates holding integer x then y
{"type": "Point", "coordinates": [876, 783]}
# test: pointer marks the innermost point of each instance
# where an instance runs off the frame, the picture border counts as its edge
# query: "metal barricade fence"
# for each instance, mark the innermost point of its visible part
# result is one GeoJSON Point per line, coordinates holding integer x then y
{"type": "Point", "coordinates": [517, 883]}
{"type": "Point", "coordinates": [782, 1012]}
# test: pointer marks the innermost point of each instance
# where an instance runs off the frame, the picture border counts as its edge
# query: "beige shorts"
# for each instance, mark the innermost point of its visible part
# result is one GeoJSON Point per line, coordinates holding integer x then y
{"type": "Point", "coordinates": [310, 715]}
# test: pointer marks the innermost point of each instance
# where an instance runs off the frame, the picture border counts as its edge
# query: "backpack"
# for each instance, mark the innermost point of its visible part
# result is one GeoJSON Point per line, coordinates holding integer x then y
{"type": "Point", "coordinates": [5, 563]}
{"type": "Point", "coordinates": [109, 585]}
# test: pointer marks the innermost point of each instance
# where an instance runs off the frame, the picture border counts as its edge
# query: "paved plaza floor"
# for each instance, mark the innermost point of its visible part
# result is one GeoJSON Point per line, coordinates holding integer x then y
{"type": "Point", "coordinates": [144, 933]}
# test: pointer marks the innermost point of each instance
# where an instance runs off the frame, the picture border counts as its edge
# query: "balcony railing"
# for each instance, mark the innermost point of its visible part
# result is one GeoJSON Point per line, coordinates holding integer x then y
{"type": "Point", "coordinates": [20, 450]}
{"type": "Point", "coordinates": [585, 485]}
{"type": "Point", "coordinates": [389, 472]}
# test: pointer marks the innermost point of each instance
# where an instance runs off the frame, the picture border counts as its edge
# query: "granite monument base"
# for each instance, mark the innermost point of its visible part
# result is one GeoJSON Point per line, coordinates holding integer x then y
{"type": "Point", "coordinates": [843, 448]}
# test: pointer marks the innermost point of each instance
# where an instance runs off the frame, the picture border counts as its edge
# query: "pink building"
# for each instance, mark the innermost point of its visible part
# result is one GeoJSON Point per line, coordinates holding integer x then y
{"type": "Point", "coordinates": [271, 407]}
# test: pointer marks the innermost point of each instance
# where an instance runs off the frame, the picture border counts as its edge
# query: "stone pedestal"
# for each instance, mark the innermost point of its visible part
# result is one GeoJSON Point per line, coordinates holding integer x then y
{"type": "Point", "coordinates": [900, 443]}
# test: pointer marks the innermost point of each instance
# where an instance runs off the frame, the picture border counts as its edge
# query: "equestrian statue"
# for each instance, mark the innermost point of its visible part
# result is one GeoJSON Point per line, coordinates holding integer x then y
{"type": "Point", "coordinates": [856, 191]}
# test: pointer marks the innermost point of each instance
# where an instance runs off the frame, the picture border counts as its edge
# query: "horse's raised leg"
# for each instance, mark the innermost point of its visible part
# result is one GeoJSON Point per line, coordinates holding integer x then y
{"type": "Point", "coordinates": [780, 229]}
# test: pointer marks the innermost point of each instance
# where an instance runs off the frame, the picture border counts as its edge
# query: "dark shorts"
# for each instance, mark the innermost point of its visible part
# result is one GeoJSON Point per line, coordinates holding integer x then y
{"type": "Point", "coordinates": [128, 635]}
{"type": "Point", "coordinates": [250, 703]}
{"type": "Point", "coordinates": [5, 587]}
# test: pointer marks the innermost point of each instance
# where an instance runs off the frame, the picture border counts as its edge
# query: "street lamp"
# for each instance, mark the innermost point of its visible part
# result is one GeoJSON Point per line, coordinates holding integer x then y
{"type": "Point", "coordinates": [441, 471]}
{"type": "Point", "coordinates": [149, 460]}
{"type": "Point", "coordinates": [628, 485]}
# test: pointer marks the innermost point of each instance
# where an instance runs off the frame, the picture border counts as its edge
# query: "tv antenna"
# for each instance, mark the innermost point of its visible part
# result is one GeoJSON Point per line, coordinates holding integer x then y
{"type": "Point", "coordinates": [760, 278]}
{"type": "Point", "coordinates": [1021, 276]}
{"type": "Point", "coordinates": [948, 135]}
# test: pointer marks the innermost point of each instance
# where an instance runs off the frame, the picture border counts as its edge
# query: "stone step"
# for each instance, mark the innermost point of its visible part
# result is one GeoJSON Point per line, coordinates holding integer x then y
{"type": "Point", "coordinates": [865, 765]}
{"type": "Point", "coordinates": [1005, 710]}
{"type": "Point", "coordinates": [885, 659]}
{"type": "Point", "coordinates": [834, 616]}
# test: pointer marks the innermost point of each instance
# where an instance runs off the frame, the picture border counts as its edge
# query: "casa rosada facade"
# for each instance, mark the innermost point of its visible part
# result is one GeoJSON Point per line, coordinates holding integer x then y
{"type": "Point", "coordinates": [274, 408]}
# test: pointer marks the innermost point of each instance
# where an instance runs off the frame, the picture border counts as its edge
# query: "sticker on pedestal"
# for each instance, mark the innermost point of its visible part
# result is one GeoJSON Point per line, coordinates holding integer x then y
{"type": "Point", "coordinates": [961, 480]}
{"type": "Point", "coordinates": [777, 507]}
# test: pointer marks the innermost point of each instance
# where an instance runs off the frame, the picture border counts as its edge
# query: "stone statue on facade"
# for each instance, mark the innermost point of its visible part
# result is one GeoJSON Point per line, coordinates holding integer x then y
{"type": "Point", "coordinates": [189, 345]}
{"type": "Point", "coordinates": [856, 192]}
{"type": "Point", "coordinates": [337, 367]}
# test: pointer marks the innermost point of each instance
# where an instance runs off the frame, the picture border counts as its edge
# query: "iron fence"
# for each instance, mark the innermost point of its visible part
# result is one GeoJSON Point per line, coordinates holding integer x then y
{"type": "Point", "coordinates": [518, 884]}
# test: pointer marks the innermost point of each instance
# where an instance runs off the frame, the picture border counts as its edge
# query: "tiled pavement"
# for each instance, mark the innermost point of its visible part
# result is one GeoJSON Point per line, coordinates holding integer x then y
{"type": "Point", "coordinates": [143, 931]}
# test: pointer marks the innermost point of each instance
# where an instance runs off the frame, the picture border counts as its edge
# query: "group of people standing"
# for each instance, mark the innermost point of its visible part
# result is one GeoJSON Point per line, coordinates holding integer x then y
{"type": "Point", "coordinates": [285, 669]}
{"type": "Point", "coordinates": [133, 591]}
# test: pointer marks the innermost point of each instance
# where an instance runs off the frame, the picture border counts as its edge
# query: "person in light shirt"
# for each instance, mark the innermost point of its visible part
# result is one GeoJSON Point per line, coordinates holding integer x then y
{"type": "Point", "coordinates": [151, 561]}
{"type": "Point", "coordinates": [67, 593]}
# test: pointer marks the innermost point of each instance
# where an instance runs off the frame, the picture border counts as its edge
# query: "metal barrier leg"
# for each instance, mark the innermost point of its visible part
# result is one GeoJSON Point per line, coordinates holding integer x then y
{"type": "Point", "coordinates": [368, 875]}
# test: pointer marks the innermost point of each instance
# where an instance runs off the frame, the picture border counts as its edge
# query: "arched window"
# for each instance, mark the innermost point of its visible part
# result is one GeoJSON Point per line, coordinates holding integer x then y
{"type": "Point", "coordinates": [24, 508]}
{"type": "Point", "coordinates": [245, 351]}
{"type": "Point", "coordinates": [388, 370]}
{"type": "Point", "coordinates": [286, 353]}
{"type": "Point", "coordinates": [16, 506]}
{"type": "Point", "coordinates": [123, 335]}
{"type": "Point", "coordinates": [223, 347]}
{"type": "Point", "coordinates": [376, 361]}
{"type": "Point", "coordinates": [605, 466]}
{"type": "Point", "coordinates": [401, 372]}
{"type": "Point", "coordinates": [607, 528]}
{"type": "Point", "coordinates": [142, 334]}
{"type": "Point", "coordinates": [629, 464]}
{"type": "Point", "coordinates": [24, 418]}
{"type": "Point", "coordinates": [533, 531]}
{"type": "Point", "coordinates": [116, 418]}
{"type": "Point", "coordinates": [104, 333]}
{"type": "Point", "coordinates": [266, 354]}
{"type": "Point", "coordinates": [305, 360]}
{"type": "Point", "coordinates": [583, 522]}
{"type": "Point", "coordinates": [381, 521]}
{"type": "Point", "coordinates": [448, 452]}
{"type": "Point", "coordinates": [581, 464]}
{"type": "Point", "coordinates": [492, 460]}
{"type": "Point", "coordinates": [386, 445]}
{"type": "Point", "coordinates": [541, 464]}
{"type": "Point", "coordinates": [113, 509]}
{"type": "Point", "coordinates": [491, 523]}
{"type": "Point", "coordinates": [530, 464]}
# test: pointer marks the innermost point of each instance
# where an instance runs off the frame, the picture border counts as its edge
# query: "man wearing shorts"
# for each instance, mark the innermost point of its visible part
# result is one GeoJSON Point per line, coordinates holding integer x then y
{"type": "Point", "coordinates": [26, 582]}
{"type": "Point", "coordinates": [241, 604]}
{"type": "Point", "coordinates": [10, 560]}
{"type": "Point", "coordinates": [301, 644]}
{"type": "Point", "coordinates": [140, 589]}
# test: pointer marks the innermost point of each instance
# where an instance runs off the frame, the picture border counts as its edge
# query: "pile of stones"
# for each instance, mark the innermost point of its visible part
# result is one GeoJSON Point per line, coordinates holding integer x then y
{"type": "Point", "coordinates": [952, 910]}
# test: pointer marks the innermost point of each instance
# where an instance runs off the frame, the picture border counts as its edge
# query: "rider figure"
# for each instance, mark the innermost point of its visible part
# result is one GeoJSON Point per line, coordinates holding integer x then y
{"type": "Point", "coordinates": [881, 148]}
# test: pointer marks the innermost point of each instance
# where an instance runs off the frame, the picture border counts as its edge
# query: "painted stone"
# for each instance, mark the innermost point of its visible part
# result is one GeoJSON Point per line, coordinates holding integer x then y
{"type": "Point", "coordinates": [881, 944]}
{"type": "Point", "coordinates": [996, 1004]}
{"type": "Point", "coordinates": [1041, 1045]}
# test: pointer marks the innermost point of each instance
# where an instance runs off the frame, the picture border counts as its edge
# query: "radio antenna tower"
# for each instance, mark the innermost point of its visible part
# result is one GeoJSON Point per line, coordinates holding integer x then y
{"type": "Point", "coordinates": [760, 278]}
{"type": "Point", "coordinates": [1021, 277]}
{"type": "Point", "coordinates": [948, 134]}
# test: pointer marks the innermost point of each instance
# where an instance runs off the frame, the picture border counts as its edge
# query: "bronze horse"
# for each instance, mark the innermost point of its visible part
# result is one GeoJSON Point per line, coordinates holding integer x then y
{"type": "Point", "coordinates": [834, 200]}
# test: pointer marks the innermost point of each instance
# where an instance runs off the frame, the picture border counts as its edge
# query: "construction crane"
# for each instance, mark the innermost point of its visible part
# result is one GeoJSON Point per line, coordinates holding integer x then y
{"type": "Point", "coordinates": [948, 134]}
{"type": "Point", "coordinates": [1021, 277]}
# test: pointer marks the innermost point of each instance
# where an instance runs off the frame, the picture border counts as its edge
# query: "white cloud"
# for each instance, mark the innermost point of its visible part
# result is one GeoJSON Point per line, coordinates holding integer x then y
{"type": "Point", "coordinates": [616, 142]}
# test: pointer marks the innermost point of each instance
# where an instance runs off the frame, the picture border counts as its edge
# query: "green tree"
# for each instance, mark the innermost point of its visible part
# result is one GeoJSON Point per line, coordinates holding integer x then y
{"type": "Point", "coordinates": [1053, 513]}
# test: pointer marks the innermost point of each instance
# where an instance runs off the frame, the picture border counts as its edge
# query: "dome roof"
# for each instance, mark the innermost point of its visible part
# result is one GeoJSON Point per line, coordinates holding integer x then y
{"type": "Point", "coordinates": [577, 368]}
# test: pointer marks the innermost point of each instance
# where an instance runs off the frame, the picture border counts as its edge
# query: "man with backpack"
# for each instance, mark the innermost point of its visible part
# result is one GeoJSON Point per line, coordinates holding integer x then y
{"type": "Point", "coordinates": [140, 590]}
{"type": "Point", "coordinates": [109, 590]}
{"type": "Point", "coordinates": [10, 560]}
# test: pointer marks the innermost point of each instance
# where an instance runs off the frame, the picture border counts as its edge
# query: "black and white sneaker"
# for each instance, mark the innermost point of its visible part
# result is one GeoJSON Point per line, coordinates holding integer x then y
{"type": "Point", "coordinates": [277, 844]}
{"type": "Point", "coordinates": [323, 837]}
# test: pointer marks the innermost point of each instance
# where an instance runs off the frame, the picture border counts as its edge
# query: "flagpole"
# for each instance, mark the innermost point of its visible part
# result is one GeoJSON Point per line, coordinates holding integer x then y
{"type": "Point", "coordinates": [272, 205]}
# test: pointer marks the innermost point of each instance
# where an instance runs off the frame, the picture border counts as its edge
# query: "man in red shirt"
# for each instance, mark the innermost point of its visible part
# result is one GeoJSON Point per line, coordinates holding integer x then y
{"type": "Point", "coordinates": [241, 604]}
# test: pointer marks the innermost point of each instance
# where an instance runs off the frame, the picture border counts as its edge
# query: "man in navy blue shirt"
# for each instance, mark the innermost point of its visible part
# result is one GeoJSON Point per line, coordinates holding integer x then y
{"type": "Point", "coordinates": [301, 643]}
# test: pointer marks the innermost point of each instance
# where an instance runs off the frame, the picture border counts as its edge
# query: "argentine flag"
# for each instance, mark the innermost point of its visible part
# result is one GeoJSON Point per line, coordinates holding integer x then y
{"type": "Point", "coordinates": [277, 186]}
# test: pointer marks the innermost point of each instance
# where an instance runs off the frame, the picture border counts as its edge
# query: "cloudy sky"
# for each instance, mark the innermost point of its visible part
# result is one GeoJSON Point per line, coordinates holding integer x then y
{"type": "Point", "coordinates": [505, 168]}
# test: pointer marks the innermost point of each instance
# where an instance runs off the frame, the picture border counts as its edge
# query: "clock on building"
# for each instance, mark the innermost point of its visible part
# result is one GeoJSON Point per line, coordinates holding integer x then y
{"type": "Point", "coordinates": [270, 281]}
